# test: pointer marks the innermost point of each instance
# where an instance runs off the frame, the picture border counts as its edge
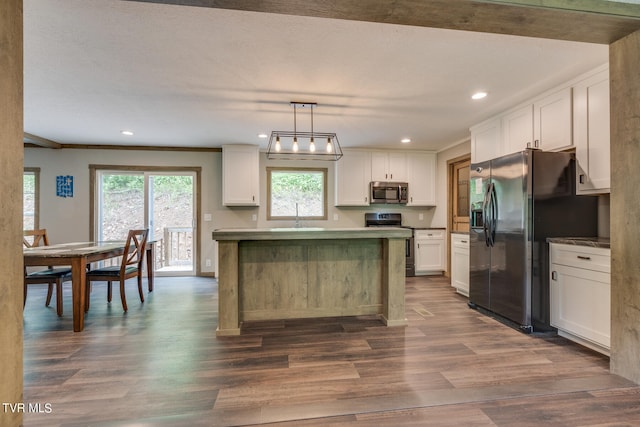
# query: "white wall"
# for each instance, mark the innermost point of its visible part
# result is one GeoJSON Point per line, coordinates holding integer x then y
{"type": "Point", "coordinates": [67, 219]}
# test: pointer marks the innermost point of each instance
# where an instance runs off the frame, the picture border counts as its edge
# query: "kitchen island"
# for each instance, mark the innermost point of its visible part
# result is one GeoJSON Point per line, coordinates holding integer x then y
{"type": "Point", "coordinates": [286, 273]}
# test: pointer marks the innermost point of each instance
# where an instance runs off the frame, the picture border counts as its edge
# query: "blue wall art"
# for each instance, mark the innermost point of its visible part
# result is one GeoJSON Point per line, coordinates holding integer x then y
{"type": "Point", "coordinates": [64, 186]}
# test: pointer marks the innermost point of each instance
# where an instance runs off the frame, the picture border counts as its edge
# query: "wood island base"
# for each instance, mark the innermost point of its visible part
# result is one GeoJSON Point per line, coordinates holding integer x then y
{"type": "Point", "coordinates": [309, 273]}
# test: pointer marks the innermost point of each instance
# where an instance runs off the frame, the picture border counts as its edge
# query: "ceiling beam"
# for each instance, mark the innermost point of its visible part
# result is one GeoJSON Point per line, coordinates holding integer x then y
{"type": "Point", "coordinates": [585, 21]}
{"type": "Point", "coordinates": [39, 141]}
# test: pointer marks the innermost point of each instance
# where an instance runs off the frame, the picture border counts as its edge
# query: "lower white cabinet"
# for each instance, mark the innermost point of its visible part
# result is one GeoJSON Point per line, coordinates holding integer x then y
{"type": "Point", "coordinates": [430, 255]}
{"type": "Point", "coordinates": [460, 263]}
{"type": "Point", "coordinates": [581, 294]}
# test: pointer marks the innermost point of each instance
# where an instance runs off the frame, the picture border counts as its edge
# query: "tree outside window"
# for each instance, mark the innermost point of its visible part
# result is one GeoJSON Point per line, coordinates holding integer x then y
{"type": "Point", "coordinates": [30, 198]}
{"type": "Point", "coordinates": [297, 193]}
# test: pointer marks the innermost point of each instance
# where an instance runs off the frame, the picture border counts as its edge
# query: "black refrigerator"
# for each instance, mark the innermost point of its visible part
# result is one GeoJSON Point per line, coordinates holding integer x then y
{"type": "Point", "coordinates": [517, 201]}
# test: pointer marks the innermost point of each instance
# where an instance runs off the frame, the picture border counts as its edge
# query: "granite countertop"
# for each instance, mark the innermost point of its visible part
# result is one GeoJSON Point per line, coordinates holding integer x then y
{"type": "Point", "coordinates": [594, 242]}
{"type": "Point", "coordinates": [310, 233]}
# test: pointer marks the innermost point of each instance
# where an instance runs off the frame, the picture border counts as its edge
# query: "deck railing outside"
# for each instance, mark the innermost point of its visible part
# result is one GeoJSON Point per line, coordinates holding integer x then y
{"type": "Point", "coordinates": [173, 251]}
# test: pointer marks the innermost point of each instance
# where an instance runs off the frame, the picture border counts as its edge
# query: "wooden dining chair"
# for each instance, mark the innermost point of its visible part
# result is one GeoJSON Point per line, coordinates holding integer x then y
{"type": "Point", "coordinates": [131, 266]}
{"type": "Point", "coordinates": [51, 276]}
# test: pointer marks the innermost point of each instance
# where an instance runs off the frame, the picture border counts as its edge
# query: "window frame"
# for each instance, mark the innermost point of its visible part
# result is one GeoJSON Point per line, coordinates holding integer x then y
{"type": "Point", "coordinates": [36, 196]}
{"type": "Point", "coordinates": [325, 205]}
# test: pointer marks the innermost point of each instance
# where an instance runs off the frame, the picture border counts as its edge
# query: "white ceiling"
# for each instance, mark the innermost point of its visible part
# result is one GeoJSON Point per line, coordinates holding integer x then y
{"type": "Point", "coordinates": [200, 77]}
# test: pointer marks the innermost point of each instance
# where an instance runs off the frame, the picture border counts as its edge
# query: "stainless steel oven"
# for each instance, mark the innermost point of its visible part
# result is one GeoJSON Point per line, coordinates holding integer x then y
{"type": "Point", "coordinates": [394, 220]}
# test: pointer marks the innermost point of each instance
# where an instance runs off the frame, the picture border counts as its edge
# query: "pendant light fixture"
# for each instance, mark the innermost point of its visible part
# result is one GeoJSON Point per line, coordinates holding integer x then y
{"type": "Point", "coordinates": [284, 145]}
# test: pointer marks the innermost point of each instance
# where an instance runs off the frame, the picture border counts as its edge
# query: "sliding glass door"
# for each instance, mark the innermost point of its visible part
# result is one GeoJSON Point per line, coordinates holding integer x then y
{"type": "Point", "coordinates": [163, 202]}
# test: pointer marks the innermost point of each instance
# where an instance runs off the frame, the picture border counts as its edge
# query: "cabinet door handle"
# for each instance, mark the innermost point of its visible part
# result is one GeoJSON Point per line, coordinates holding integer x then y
{"type": "Point", "coordinates": [554, 275]}
{"type": "Point", "coordinates": [536, 143]}
{"type": "Point", "coordinates": [365, 199]}
{"type": "Point", "coordinates": [463, 241]}
{"type": "Point", "coordinates": [586, 258]}
{"type": "Point", "coordinates": [581, 179]}
{"type": "Point", "coordinates": [253, 198]}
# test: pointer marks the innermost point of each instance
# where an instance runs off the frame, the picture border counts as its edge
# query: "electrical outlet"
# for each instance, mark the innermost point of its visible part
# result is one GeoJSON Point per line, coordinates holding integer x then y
{"type": "Point", "coordinates": [207, 262]}
{"type": "Point", "coordinates": [207, 217]}
{"type": "Point", "coordinates": [336, 217]}
{"type": "Point", "coordinates": [254, 217]}
{"type": "Point", "coordinates": [421, 217]}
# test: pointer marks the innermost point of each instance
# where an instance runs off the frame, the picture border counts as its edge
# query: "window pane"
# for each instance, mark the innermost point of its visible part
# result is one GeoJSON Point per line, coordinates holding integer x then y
{"type": "Point", "coordinates": [122, 205]}
{"type": "Point", "coordinates": [301, 190]}
{"type": "Point", "coordinates": [463, 192]}
{"type": "Point", "coordinates": [29, 200]}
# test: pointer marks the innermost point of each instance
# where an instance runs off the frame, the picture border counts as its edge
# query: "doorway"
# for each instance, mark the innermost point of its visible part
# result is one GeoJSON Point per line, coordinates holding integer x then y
{"type": "Point", "coordinates": [458, 170]}
{"type": "Point", "coordinates": [164, 201]}
{"type": "Point", "coordinates": [459, 190]}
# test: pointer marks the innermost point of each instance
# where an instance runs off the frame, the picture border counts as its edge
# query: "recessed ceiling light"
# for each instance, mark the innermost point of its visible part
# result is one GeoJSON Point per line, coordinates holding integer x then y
{"type": "Point", "coordinates": [262, 135]}
{"type": "Point", "coordinates": [405, 140]}
{"type": "Point", "coordinates": [478, 95]}
{"type": "Point", "coordinates": [126, 132]}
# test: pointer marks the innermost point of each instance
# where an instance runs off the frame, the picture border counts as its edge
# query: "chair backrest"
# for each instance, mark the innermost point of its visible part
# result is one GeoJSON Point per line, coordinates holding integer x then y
{"type": "Point", "coordinates": [39, 238]}
{"type": "Point", "coordinates": [134, 249]}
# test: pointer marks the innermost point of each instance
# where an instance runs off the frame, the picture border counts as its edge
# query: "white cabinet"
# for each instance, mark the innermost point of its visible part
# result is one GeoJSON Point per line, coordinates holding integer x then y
{"type": "Point", "coordinates": [460, 263]}
{"type": "Point", "coordinates": [421, 168]}
{"type": "Point", "coordinates": [430, 255]}
{"type": "Point", "coordinates": [240, 175]}
{"type": "Point", "coordinates": [592, 134]}
{"type": "Point", "coordinates": [388, 166]}
{"type": "Point", "coordinates": [553, 121]}
{"type": "Point", "coordinates": [547, 122]}
{"type": "Point", "coordinates": [580, 285]}
{"type": "Point", "coordinates": [486, 141]}
{"type": "Point", "coordinates": [353, 174]}
{"type": "Point", "coordinates": [517, 130]}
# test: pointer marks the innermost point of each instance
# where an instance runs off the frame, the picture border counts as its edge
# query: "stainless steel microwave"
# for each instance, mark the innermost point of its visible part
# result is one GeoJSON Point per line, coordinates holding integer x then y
{"type": "Point", "coordinates": [388, 192]}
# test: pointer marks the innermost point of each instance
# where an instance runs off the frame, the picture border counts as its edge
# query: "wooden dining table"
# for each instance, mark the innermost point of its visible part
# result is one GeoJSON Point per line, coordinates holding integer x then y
{"type": "Point", "coordinates": [78, 255]}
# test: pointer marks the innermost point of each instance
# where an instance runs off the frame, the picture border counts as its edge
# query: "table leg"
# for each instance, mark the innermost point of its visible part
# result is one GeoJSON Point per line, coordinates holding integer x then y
{"type": "Point", "coordinates": [150, 253]}
{"type": "Point", "coordinates": [78, 291]}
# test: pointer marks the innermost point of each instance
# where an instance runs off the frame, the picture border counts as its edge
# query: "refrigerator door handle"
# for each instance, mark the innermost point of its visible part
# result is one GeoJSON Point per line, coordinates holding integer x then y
{"type": "Point", "coordinates": [485, 222]}
{"type": "Point", "coordinates": [494, 214]}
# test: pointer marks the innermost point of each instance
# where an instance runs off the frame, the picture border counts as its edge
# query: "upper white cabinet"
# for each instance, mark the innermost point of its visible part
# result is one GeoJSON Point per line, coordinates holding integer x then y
{"type": "Point", "coordinates": [388, 166]}
{"type": "Point", "coordinates": [421, 168]}
{"type": "Point", "coordinates": [240, 175]}
{"type": "Point", "coordinates": [545, 124]}
{"type": "Point", "coordinates": [553, 121]}
{"type": "Point", "coordinates": [592, 133]}
{"type": "Point", "coordinates": [575, 114]}
{"type": "Point", "coordinates": [486, 141]}
{"type": "Point", "coordinates": [517, 130]}
{"type": "Point", "coordinates": [353, 174]}
{"type": "Point", "coordinates": [355, 170]}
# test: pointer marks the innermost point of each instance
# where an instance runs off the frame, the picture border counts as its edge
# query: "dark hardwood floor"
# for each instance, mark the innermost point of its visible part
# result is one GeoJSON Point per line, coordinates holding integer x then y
{"type": "Point", "coordinates": [162, 365]}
